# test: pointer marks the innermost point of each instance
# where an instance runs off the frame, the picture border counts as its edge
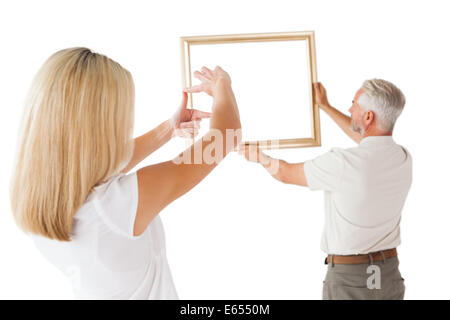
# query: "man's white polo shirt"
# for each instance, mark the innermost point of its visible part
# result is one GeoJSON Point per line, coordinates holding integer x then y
{"type": "Point", "coordinates": [365, 189]}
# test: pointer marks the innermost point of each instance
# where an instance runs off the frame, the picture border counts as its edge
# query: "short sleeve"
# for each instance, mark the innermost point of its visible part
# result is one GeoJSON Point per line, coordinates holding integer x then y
{"type": "Point", "coordinates": [116, 203]}
{"type": "Point", "coordinates": [325, 171]}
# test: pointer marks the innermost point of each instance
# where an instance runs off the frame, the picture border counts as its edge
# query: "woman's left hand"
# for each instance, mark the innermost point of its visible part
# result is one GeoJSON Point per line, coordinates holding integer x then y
{"type": "Point", "coordinates": [186, 122]}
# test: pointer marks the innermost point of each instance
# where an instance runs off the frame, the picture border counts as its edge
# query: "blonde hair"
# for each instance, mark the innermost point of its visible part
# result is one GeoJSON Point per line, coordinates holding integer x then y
{"type": "Point", "coordinates": [76, 132]}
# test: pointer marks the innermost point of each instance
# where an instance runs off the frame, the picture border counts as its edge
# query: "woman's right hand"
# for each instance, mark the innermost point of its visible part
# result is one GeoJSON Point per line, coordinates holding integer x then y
{"type": "Point", "coordinates": [210, 79]}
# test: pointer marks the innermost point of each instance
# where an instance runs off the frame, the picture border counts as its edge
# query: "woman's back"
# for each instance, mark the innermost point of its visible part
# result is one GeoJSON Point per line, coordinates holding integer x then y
{"type": "Point", "coordinates": [77, 131]}
{"type": "Point", "coordinates": [104, 260]}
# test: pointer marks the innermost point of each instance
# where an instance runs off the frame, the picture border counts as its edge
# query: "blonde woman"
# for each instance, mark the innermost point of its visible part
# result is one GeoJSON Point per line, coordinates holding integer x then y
{"type": "Point", "coordinates": [70, 189]}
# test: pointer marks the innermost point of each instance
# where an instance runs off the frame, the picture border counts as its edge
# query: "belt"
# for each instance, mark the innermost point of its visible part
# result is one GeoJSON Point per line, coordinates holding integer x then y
{"type": "Point", "coordinates": [362, 258]}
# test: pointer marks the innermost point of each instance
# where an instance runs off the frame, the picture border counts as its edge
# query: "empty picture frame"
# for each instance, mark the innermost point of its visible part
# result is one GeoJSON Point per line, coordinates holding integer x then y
{"type": "Point", "coordinates": [272, 77]}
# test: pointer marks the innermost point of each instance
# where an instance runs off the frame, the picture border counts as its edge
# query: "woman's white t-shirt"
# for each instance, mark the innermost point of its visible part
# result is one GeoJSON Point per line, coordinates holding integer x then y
{"type": "Point", "coordinates": [104, 260]}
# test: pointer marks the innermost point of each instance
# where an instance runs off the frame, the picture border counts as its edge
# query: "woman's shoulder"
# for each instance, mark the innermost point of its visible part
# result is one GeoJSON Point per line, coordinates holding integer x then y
{"type": "Point", "coordinates": [115, 202]}
{"type": "Point", "coordinates": [112, 184]}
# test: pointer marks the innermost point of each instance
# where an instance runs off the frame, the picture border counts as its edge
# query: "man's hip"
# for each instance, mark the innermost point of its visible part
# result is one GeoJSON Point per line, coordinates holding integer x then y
{"type": "Point", "coordinates": [364, 277]}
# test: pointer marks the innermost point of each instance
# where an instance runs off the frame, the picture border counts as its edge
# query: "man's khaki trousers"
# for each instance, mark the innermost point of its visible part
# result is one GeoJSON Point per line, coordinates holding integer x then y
{"type": "Point", "coordinates": [369, 281]}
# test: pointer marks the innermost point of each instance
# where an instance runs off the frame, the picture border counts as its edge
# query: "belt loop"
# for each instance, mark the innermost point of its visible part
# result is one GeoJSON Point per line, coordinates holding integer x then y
{"type": "Point", "coordinates": [384, 258]}
{"type": "Point", "coordinates": [370, 259]}
{"type": "Point", "coordinates": [332, 260]}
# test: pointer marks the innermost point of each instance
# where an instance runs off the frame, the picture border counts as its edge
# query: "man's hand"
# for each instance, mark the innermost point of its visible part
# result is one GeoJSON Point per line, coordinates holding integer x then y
{"type": "Point", "coordinates": [320, 95]}
{"type": "Point", "coordinates": [292, 173]}
{"type": "Point", "coordinates": [186, 122]}
{"type": "Point", "coordinates": [252, 154]}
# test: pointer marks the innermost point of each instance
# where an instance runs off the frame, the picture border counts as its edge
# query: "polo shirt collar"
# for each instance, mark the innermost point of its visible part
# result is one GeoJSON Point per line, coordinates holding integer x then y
{"type": "Point", "coordinates": [376, 140]}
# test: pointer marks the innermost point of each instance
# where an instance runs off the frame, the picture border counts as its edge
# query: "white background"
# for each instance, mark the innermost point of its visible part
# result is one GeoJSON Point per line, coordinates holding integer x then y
{"type": "Point", "coordinates": [273, 85]}
{"type": "Point", "coordinates": [241, 234]}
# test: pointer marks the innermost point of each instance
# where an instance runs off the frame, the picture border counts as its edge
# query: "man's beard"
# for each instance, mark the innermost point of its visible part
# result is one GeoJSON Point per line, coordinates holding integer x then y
{"type": "Point", "coordinates": [355, 126]}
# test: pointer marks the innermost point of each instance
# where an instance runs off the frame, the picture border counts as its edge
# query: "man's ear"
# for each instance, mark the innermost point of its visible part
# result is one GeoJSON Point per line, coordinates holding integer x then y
{"type": "Point", "coordinates": [369, 117]}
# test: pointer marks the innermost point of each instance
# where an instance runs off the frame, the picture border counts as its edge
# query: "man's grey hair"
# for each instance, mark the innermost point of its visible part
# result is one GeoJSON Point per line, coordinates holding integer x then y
{"type": "Point", "coordinates": [384, 99]}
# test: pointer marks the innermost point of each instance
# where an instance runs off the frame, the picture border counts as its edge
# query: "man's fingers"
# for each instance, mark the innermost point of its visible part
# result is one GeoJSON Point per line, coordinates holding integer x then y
{"type": "Point", "coordinates": [197, 114]}
{"type": "Point", "coordinates": [253, 154]}
{"type": "Point", "coordinates": [246, 153]}
{"type": "Point", "coordinates": [243, 151]}
{"type": "Point", "coordinates": [250, 152]}
{"type": "Point", "coordinates": [321, 87]}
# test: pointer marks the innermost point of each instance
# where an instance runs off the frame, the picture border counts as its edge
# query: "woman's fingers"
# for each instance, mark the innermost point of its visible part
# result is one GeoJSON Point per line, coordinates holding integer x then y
{"type": "Point", "coordinates": [184, 100]}
{"type": "Point", "coordinates": [187, 132]}
{"type": "Point", "coordinates": [190, 124]}
{"type": "Point", "coordinates": [198, 115]}
{"type": "Point", "coordinates": [188, 129]}
{"type": "Point", "coordinates": [207, 72]}
{"type": "Point", "coordinates": [194, 89]}
{"type": "Point", "coordinates": [201, 76]}
{"type": "Point", "coordinates": [208, 79]}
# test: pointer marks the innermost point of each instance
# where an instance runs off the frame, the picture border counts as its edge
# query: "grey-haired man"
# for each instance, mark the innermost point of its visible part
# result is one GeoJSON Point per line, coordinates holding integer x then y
{"type": "Point", "coordinates": [365, 188]}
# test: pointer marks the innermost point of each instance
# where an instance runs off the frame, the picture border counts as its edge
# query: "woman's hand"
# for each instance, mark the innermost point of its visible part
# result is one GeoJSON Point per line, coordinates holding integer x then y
{"type": "Point", "coordinates": [186, 122]}
{"type": "Point", "coordinates": [209, 80]}
{"type": "Point", "coordinates": [178, 176]}
{"type": "Point", "coordinates": [225, 119]}
{"type": "Point", "coordinates": [217, 83]}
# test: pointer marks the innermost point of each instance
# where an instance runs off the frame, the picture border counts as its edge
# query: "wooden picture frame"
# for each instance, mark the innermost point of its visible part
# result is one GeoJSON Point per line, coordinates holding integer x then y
{"type": "Point", "coordinates": [257, 57]}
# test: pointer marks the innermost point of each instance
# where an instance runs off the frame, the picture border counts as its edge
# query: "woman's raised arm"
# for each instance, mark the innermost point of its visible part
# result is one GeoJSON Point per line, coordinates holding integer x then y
{"type": "Point", "coordinates": [162, 183]}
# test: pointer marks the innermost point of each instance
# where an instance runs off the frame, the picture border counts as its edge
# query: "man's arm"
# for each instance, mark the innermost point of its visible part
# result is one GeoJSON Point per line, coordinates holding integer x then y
{"type": "Point", "coordinates": [341, 119]}
{"type": "Point", "coordinates": [291, 173]}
